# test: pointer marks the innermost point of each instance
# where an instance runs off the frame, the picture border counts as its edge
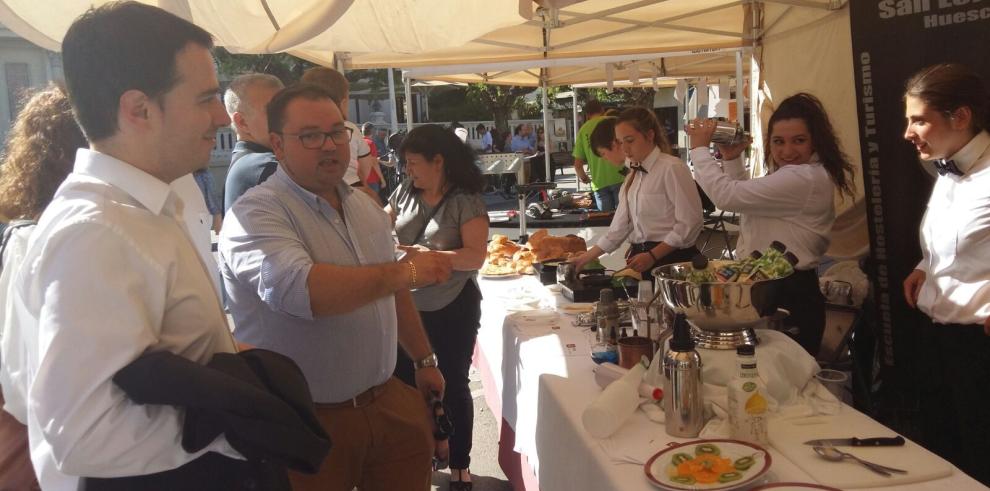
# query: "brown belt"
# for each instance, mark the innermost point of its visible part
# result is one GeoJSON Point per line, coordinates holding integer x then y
{"type": "Point", "coordinates": [360, 400]}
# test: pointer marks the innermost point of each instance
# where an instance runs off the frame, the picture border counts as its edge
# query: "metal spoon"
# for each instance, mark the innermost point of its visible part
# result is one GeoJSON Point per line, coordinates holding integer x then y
{"type": "Point", "coordinates": [835, 455]}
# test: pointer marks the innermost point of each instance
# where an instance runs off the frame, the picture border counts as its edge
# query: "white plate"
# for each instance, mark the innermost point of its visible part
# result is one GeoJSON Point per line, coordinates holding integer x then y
{"type": "Point", "coordinates": [657, 467]}
{"type": "Point", "coordinates": [499, 276]}
{"type": "Point", "coordinates": [792, 486]}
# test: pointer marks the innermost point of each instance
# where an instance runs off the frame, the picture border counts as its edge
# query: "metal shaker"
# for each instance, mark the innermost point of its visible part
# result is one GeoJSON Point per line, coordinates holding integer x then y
{"type": "Point", "coordinates": [728, 133]}
{"type": "Point", "coordinates": [682, 388]}
{"type": "Point", "coordinates": [608, 316]}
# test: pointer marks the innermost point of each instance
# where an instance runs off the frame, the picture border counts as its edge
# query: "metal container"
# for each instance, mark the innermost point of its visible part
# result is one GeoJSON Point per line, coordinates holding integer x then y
{"type": "Point", "coordinates": [683, 402]}
{"type": "Point", "coordinates": [729, 133]}
{"type": "Point", "coordinates": [722, 314]}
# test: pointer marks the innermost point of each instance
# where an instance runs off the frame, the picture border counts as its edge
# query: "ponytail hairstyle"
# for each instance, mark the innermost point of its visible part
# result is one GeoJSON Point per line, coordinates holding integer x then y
{"type": "Point", "coordinates": [947, 87]}
{"type": "Point", "coordinates": [809, 109]}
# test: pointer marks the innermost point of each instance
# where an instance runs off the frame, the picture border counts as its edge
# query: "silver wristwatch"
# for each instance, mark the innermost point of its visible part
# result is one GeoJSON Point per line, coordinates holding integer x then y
{"type": "Point", "coordinates": [429, 361]}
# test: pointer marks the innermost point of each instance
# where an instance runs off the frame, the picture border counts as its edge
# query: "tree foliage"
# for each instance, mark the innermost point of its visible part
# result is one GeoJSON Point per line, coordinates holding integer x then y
{"type": "Point", "coordinates": [286, 67]}
{"type": "Point", "coordinates": [499, 99]}
{"type": "Point", "coordinates": [623, 97]}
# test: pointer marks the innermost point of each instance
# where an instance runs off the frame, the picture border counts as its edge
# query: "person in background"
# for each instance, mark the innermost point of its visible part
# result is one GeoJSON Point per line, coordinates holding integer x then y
{"type": "Point", "coordinates": [439, 208]}
{"type": "Point", "coordinates": [38, 156]}
{"type": "Point", "coordinates": [116, 219]}
{"type": "Point", "coordinates": [375, 177]}
{"type": "Point", "coordinates": [381, 141]}
{"type": "Point", "coordinates": [793, 204]}
{"type": "Point", "coordinates": [520, 140]}
{"type": "Point", "coordinates": [605, 146]}
{"type": "Point", "coordinates": [252, 160]}
{"type": "Point", "coordinates": [206, 185]}
{"type": "Point", "coordinates": [527, 131]}
{"type": "Point", "coordinates": [540, 143]}
{"type": "Point", "coordinates": [659, 207]}
{"type": "Point", "coordinates": [486, 138]}
{"type": "Point", "coordinates": [605, 179]}
{"type": "Point", "coordinates": [361, 160]}
{"type": "Point", "coordinates": [947, 108]}
{"type": "Point", "coordinates": [309, 266]}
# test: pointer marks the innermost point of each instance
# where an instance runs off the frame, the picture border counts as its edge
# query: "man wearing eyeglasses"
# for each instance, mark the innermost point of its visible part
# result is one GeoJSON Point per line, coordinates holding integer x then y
{"type": "Point", "coordinates": [309, 268]}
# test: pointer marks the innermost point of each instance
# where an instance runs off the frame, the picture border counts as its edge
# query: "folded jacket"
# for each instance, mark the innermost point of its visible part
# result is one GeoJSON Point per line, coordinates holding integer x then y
{"type": "Point", "coordinates": [258, 399]}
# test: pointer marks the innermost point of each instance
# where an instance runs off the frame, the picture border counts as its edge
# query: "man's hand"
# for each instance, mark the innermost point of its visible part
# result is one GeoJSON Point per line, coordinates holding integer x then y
{"type": "Point", "coordinates": [579, 170]}
{"type": "Point", "coordinates": [413, 249]}
{"type": "Point", "coordinates": [431, 268]}
{"type": "Point", "coordinates": [640, 262]}
{"type": "Point", "coordinates": [429, 380]}
{"type": "Point", "coordinates": [912, 285]}
{"type": "Point", "coordinates": [986, 326]}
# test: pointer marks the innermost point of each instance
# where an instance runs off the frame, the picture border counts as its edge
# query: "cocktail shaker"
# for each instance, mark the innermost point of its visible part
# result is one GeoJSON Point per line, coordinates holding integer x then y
{"type": "Point", "coordinates": [682, 386]}
{"type": "Point", "coordinates": [608, 317]}
{"type": "Point", "coordinates": [729, 133]}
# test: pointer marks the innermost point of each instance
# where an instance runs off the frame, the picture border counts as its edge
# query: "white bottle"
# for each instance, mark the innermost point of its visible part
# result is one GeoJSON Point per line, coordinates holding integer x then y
{"type": "Point", "coordinates": [748, 413]}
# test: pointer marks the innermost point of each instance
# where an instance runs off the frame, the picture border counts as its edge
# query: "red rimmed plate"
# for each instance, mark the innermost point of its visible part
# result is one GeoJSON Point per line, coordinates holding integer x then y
{"type": "Point", "coordinates": [660, 467]}
{"type": "Point", "coordinates": [796, 486]}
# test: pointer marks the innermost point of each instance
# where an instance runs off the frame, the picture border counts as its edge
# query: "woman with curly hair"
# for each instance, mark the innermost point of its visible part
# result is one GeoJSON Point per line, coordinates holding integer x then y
{"type": "Point", "coordinates": [39, 153]}
{"type": "Point", "coordinates": [793, 204]}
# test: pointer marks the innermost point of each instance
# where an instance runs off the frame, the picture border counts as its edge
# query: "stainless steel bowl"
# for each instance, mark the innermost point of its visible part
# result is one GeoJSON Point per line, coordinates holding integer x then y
{"type": "Point", "coordinates": [722, 312]}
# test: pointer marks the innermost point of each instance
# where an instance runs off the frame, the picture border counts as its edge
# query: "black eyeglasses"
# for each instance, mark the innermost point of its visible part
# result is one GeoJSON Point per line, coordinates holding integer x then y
{"type": "Point", "coordinates": [313, 140]}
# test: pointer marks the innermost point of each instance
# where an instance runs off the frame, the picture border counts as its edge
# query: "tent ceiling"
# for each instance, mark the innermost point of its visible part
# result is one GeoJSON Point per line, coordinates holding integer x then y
{"type": "Point", "coordinates": [639, 68]}
{"type": "Point", "coordinates": [591, 28]}
{"type": "Point", "coordinates": [312, 29]}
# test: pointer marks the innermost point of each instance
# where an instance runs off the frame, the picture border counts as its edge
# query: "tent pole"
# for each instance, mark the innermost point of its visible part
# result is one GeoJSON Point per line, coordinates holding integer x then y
{"type": "Point", "coordinates": [391, 97]}
{"type": "Point", "coordinates": [574, 99]}
{"type": "Point", "coordinates": [546, 126]}
{"type": "Point", "coordinates": [408, 87]}
{"type": "Point", "coordinates": [739, 88]}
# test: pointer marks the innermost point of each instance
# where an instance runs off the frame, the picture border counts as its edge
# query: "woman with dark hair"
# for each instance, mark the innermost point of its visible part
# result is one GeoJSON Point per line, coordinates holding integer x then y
{"type": "Point", "coordinates": [793, 204]}
{"type": "Point", "coordinates": [947, 107]}
{"type": "Point", "coordinates": [659, 207]}
{"type": "Point", "coordinates": [439, 208]}
{"type": "Point", "coordinates": [39, 153]}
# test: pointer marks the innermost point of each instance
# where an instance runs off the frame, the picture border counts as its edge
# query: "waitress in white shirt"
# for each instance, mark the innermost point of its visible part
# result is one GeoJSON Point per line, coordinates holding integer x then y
{"type": "Point", "coordinates": [793, 204]}
{"type": "Point", "coordinates": [948, 115]}
{"type": "Point", "coordinates": [659, 207]}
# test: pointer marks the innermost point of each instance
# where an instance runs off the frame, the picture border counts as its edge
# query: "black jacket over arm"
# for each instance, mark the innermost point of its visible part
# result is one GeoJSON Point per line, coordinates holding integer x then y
{"type": "Point", "coordinates": [258, 399]}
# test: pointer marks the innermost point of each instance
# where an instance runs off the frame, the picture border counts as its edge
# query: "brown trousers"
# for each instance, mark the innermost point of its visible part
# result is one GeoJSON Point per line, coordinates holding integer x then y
{"type": "Point", "coordinates": [386, 444]}
{"type": "Point", "coordinates": [16, 472]}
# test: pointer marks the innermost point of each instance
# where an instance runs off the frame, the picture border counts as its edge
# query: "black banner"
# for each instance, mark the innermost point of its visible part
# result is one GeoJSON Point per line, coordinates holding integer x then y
{"type": "Point", "coordinates": [892, 39]}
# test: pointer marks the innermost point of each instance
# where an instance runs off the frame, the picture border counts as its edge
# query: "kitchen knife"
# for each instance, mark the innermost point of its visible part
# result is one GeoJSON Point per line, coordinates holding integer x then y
{"type": "Point", "coordinates": [859, 442]}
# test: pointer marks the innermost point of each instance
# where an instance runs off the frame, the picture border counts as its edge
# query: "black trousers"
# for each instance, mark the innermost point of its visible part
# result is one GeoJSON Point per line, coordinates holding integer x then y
{"type": "Point", "coordinates": [678, 256]}
{"type": "Point", "coordinates": [452, 331]}
{"type": "Point", "coordinates": [802, 297]}
{"type": "Point", "coordinates": [955, 404]}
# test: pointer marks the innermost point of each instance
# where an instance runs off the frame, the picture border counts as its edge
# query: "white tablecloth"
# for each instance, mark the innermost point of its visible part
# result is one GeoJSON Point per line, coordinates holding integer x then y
{"type": "Point", "coordinates": [546, 381]}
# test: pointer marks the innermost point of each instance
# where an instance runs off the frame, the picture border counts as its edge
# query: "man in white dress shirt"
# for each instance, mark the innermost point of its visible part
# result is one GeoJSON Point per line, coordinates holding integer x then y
{"type": "Point", "coordinates": [111, 272]}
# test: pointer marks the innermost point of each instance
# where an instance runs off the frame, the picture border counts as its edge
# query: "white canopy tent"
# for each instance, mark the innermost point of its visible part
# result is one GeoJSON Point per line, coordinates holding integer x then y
{"type": "Point", "coordinates": [799, 44]}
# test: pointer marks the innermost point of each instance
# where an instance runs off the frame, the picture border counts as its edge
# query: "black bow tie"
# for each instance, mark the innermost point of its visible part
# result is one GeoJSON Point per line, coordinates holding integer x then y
{"type": "Point", "coordinates": [638, 167]}
{"type": "Point", "coordinates": [947, 167]}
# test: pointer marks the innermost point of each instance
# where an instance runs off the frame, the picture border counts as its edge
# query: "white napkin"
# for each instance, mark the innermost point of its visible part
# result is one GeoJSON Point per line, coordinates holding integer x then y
{"type": "Point", "coordinates": [614, 405]}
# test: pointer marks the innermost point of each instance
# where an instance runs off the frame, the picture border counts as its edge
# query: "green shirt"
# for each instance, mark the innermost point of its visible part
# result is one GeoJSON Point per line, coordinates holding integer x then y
{"type": "Point", "coordinates": [603, 173]}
